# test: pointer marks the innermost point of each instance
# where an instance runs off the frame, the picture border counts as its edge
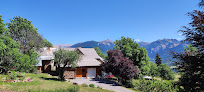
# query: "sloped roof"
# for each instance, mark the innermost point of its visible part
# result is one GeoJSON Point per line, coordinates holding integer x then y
{"type": "Point", "coordinates": [89, 56]}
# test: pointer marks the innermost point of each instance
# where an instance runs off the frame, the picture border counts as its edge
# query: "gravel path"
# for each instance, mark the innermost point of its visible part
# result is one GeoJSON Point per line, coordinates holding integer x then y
{"type": "Point", "coordinates": [112, 86]}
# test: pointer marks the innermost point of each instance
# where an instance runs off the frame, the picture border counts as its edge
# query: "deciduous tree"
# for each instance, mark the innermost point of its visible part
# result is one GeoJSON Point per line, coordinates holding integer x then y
{"type": "Point", "coordinates": [166, 72]}
{"type": "Point", "coordinates": [194, 32]}
{"type": "Point", "coordinates": [190, 63]}
{"type": "Point", "coordinates": [132, 50]}
{"type": "Point", "coordinates": [21, 30]}
{"type": "Point", "coordinates": [98, 51]}
{"type": "Point", "coordinates": [120, 66]}
{"type": "Point", "coordinates": [65, 59]}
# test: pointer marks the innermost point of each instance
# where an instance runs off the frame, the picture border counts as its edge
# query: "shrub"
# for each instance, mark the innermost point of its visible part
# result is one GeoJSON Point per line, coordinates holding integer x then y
{"type": "Point", "coordinates": [84, 85]}
{"type": "Point", "coordinates": [99, 87]}
{"type": "Point", "coordinates": [91, 85]}
{"type": "Point", "coordinates": [165, 72]}
{"type": "Point", "coordinates": [153, 86]}
{"type": "Point", "coordinates": [12, 75]}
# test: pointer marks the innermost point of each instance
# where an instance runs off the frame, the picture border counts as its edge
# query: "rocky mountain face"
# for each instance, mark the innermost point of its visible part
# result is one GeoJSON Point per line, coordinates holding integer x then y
{"type": "Point", "coordinates": [103, 45]}
{"type": "Point", "coordinates": [163, 47]}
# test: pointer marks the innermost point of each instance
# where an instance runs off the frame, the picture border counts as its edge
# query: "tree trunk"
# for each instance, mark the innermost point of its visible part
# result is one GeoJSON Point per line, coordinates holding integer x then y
{"type": "Point", "coordinates": [58, 69]}
{"type": "Point", "coordinates": [62, 73]}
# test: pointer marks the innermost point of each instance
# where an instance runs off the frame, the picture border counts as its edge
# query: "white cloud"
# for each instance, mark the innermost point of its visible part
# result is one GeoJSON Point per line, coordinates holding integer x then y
{"type": "Point", "coordinates": [180, 34]}
{"type": "Point", "coordinates": [137, 40]}
{"type": "Point", "coordinates": [178, 38]}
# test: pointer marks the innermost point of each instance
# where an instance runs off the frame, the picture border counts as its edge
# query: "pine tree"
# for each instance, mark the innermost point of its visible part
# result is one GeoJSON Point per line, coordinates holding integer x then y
{"type": "Point", "coordinates": [158, 60]}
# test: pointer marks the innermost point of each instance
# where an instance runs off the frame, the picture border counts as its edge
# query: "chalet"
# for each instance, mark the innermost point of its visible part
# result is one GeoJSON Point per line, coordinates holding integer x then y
{"type": "Point", "coordinates": [88, 66]}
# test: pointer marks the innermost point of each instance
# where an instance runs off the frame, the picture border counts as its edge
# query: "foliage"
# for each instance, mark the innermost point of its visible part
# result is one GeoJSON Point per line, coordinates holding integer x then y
{"type": "Point", "coordinates": [153, 86]}
{"type": "Point", "coordinates": [100, 53]}
{"type": "Point", "coordinates": [201, 4]}
{"type": "Point", "coordinates": [120, 66]}
{"type": "Point", "coordinates": [12, 75]}
{"type": "Point", "coordinates": [145, 69]}
{"type": "Point", "coordinates": [21, 34]}
{"type": "Point", "coordinates": [65, 58]}
{"type": "Point", "coordinates": [158, 60]}
{"type": "Point", "coordinates": [2, 26]}
{"type": "Point", "coordinates": [92, 85]}
{"type": "Point", "coordinates": [47, 43]}
{"type": "Point", "coordinates": [21, 30]}
{"type": "Point", "coordinates": [190, 63]}
{"type": "Point", "coordinates": [166, 72]}
{"type": "Point", "coordinates": [7, 48]}
{"type": "Point", "coordinates": [132, 50]}
{"type": "Point", "coordinates": [25, 62]}
{"type": "Point", "coordinates": [191, 67]}
{"type": "Point", "coordinates": [154, 70]}
{"type": "Point", "coordinates": [17, 77]}
{"type": "Point", "coordinates": [194, 33]}
{"type": "Point", "coordinates": [10, 57]}
{"type": "Point", "coordinates": [84, 85]}
{"type": "Point", "coordinates": [99, 87]}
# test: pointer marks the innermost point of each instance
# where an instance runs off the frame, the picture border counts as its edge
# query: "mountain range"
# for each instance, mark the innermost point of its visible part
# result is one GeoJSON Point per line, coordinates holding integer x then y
{"type": "Point", "coordinates": [162, 47]}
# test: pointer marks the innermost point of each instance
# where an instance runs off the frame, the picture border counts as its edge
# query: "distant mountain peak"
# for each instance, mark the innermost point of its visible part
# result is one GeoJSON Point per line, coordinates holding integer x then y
{"type": "Point", "coordinates": [108, 41]}
{"type": "Point", "coordinates": [161, 46]}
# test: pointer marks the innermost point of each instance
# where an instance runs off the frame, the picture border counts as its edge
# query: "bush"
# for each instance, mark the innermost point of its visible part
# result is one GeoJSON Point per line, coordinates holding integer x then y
{"type": "Point", "coordinates": [153, 86]}
{"type": "Point", "coordinates": [165, 72]}
{"type": "Point", "coordinates": [12, 75]}
{"type": "Point", "coordinates": [99, 87]}
{"type": "Point", "coordinates": [84, 85]}
{"type": "Point", "coordinates": [91, 85]}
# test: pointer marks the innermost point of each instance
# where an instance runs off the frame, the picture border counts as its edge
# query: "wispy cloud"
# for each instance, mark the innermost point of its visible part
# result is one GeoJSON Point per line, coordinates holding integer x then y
{"type": "Point", "coordinates": [180, 34]}
{"type": "Point", "coordinates": [137, 40]}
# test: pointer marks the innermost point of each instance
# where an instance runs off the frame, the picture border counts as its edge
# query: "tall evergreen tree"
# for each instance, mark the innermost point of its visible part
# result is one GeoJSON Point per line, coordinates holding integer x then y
{"type": "Point", "coordinates": [158, 60]}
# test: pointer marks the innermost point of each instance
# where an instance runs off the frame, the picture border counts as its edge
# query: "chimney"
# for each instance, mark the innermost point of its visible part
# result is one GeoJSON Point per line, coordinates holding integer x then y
{"type": "Point", "coordinates": [48, 48]}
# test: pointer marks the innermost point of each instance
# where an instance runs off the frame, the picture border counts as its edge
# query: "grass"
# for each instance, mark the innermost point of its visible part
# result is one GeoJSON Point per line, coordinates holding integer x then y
{"type": "Point", "coordinates": [41, 83]}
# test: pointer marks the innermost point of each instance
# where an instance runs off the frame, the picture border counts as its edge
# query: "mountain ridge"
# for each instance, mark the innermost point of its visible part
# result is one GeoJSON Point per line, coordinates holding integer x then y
{"type": "Point", "coordinates": [161, 46]}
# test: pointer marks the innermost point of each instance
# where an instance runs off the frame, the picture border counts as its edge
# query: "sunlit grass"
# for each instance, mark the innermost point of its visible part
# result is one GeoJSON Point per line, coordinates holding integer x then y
{"type": "Point", "coordinates": [40, 84]}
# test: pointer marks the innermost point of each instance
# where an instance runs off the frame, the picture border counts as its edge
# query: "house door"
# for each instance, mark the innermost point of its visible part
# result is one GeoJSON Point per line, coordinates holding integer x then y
{"type": "Point", "coordinates": [91, 72]}
{"type": "Point", "coordinates": [46, 67]}
{"type": "Point", "coordinates": [84, 72]}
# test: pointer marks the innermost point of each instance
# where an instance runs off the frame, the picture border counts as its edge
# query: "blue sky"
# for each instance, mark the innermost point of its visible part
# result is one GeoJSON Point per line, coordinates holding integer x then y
{"type": "Point", "coordinates": [73, 21]}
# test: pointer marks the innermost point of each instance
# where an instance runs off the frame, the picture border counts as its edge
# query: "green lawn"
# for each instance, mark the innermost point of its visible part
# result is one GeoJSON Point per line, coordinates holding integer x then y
{"type": "Point", "coordinates": [42, 83]}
